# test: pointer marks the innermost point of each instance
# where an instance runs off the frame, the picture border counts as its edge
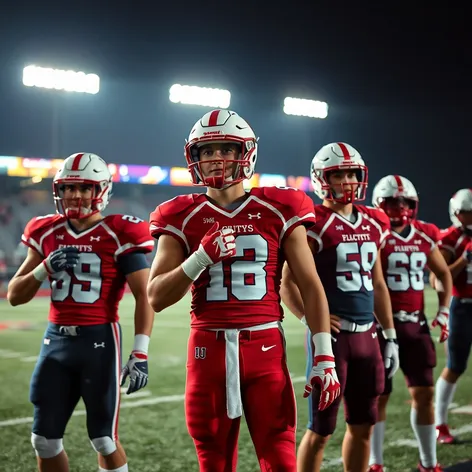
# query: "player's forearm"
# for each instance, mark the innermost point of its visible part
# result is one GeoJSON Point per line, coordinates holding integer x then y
{"type": "Point", "coordinates": [444, 295]}
{"type": "Point", "coordinates": [316, 310]}
{"type": "Point", "coordinates": [22, 289]}
{"type": "Point", "coordinates": [165, 290]}
{"type": "Point", "coordinates": [292, 298]}
{"type": "Point", "coordinates": [458, 266]}
{"type": "Point", "coordinates": [143, 316]}
{"type": "Point", "coordinates": [382, 306]}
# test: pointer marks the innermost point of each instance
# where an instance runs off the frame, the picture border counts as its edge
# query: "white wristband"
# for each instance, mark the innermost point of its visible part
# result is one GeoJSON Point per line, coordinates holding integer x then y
{"type": "Point", "coordinates": [390, 333]}
{"type": "Point", "coordinates": [322, 342]}
{"type": "Point", "coordinates": [141, 343]}
{"type": "Point", "coordinates": [195, 265]}
{"type": "Point", "coordinates": [40, 273]}
{"type": "Point", "coordinates": [444, 309]}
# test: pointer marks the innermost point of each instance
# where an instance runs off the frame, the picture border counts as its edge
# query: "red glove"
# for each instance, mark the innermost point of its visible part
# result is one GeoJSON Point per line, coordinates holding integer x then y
{"type": "Point", "coordinates": [442, 320]}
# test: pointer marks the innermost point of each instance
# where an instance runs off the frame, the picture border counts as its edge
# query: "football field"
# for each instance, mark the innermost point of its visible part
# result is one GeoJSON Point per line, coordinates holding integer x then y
{"type": "Point", "coordinates": [152, 424]}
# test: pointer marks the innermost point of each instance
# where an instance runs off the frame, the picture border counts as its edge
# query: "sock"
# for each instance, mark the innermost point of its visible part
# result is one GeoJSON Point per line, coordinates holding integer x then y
{"type": "Point", "coordinates": [123, 468]}
{"type": "Point", "coordinates": [376, 444]}
{"type": "Point", "coordinates": [426, 437]}
{"type": "Point", "coordinates": [444, 395]}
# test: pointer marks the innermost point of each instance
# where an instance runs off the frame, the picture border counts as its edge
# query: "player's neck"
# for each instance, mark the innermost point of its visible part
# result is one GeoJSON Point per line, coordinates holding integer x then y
{"type": "Point", "coordinates": [343, 209]}
{"type": "Point", "coordinates": [399, 229]}
{"type": "Point", "coordinates": [227, 196]}
{"type": "Point", "coordinates": [86, 223]}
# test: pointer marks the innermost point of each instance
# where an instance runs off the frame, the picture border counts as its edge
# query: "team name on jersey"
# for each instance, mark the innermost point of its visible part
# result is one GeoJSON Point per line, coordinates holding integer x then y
{"type": "Point", "coordinates": [79, 247]}
{"type": "Point", "coordinates": [241, 228]}
{"type": "Point", "coordinates": [356, 237]}
{"type": "Point", "coordinates": [407, 248]}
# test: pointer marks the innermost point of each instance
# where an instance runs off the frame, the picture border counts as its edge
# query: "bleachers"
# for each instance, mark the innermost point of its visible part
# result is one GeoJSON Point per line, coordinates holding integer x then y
{"type": "Point", "coordinates": [10, 234]}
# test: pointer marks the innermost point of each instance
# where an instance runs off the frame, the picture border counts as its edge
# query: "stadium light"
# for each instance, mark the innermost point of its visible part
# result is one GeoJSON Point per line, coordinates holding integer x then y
{"type": "Point", "coordinates": [58, 79]}
{"type": "Point", "coordinates": [303, 107]}
{"type": "Point", "coordinates": [203, 96]}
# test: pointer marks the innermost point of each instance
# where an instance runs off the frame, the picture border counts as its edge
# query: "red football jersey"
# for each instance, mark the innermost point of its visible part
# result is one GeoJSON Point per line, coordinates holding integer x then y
{"type": "Point", "coordinates": [346, 254]}
{"type": "Point", "coordinates": [455, 241]}
{"type": "Point", "coordinates": [90, 293]}
{"type": "Point", "coordinates": [241, 291]}
{"type": "Point", "coordinates": [403, 261]}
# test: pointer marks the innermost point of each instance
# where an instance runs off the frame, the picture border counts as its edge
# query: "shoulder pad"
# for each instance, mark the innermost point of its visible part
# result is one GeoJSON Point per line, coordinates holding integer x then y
{"type": "Point", "coordinates": [39, 224]}
{"type": "Point", "coordinates": [132, 232]}
{"type": "Point", "coordinates": [430, 229]}
{"type": "Point", "coordinates": [282, 196]}
{"type": "Point", "coordinates": [376, 213]}
{"type": "Point", "coordinates": [178, 205]}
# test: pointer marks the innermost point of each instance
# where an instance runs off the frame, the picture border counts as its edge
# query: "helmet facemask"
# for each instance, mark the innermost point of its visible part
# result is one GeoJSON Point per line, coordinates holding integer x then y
{"type": "Point", "coordinates": [82, 208]}
{"type": "Point", "coordinates": [243, 166]}
{"type": "Point", "coordinates": [350, 191]}
{"type": "Point", "coordinates": [401, 210]}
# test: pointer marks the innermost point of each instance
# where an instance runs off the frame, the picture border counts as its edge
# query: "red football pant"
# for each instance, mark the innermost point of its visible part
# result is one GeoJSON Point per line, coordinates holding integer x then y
{"type": "Point", "coordinates": [267, 397]}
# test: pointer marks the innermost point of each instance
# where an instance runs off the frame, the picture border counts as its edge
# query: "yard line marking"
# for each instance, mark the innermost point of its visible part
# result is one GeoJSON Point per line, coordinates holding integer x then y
{"type": "Point", "coordinates": [139, 394]}
{"type": "Point", "coordinates": [463, 409]}
{"type": "Point", "coordinates": [128, 404]}
{"type": "Point", "coordinates": [29, 359]}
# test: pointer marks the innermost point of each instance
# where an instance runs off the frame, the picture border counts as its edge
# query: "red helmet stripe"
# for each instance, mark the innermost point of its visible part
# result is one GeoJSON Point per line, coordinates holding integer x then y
{"type": "Point", "coordinates": [213, 120]}
{"type": "Point", "coordinates": [76, 162]}
{"type": "Point", "coordinates": [345, 151]}
{"type": "Point", "coordinates": [399, 182]}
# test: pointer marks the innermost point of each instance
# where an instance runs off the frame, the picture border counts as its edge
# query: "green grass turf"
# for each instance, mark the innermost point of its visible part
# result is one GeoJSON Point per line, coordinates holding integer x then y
{"type": "Point", "coordinates": [152, 428]}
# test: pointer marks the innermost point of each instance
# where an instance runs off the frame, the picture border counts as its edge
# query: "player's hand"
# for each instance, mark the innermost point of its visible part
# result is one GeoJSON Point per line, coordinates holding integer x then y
{"type": "Point", "coordinates": [335, 323]}
{"type": "Point", "coordinates": [442, 320]}
{"type": "Point", "coordinates": [137, 370]}
{"type": "Point", "coordinates": [323, 374]}
{"type": "Point", "coordinates": [61, 259]}
{"type": "Point", "coordinates": [217, 245]}
{"type": "Point", "coordinates": [391, 355]}
{"type": "Point", "coordinates": [467, 254]}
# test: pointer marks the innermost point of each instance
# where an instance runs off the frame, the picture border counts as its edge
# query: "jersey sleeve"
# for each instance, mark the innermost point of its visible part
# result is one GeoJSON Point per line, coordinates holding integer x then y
{"type": "Point", "coordinates": [448, 240]}
{"type": "Point", "coordinates": [167, 218]}
{"type": "Point", "coordinates": [381, 218]}
{"type": "Point", "coordinates": [133, 235]}
{"type": "Point", "coordinates": [34, 231]}
{"type": "Point", "coordinates": [295, 206]}
{"type": "Point", "coordinates": [431, 231]}
{"type": "Point", "coordinates": [313, 232]}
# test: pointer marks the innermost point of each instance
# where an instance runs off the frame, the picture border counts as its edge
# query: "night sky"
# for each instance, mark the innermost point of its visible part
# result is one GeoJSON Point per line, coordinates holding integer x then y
{"type": "Point", "coordinates": [397, 80]}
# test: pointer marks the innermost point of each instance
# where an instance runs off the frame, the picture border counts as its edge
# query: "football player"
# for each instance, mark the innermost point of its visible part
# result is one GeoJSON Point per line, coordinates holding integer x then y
{"type": "Point", "coordinates": [345, 241]}
{"type": "Point", "coordinates": [228, 246]}
{"type": "Point", "coordinates": [456, 247]}
{"type": "Point", "coordinates": [411, 247]}
{"type": "Point", "coordinates": [88, 259]}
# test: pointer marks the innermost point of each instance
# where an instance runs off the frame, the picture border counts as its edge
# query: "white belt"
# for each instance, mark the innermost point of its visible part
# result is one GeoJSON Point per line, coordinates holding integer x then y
{"type": "Point", "coordinates": [405, 317]}
{"type": "Point", "coordinates": [354, 327]}
{"type": "Point", "coordinates": [234, 403]}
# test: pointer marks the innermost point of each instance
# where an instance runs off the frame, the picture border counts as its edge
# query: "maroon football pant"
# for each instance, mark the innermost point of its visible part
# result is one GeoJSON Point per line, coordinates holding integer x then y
{"type": "Point", "coordinates": [267, 399]}
{"type": "Point", "coordinates": [417, 354]}
{"type": "Point", "coordinates": [360, 370]}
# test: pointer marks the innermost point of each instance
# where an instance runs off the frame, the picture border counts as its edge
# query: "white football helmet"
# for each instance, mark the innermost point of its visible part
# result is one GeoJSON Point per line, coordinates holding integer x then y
{"type": "Point", "coordinates": [460, 201]}
{"type": "Point", "coordinates": [397, 196]}
{"type": "Point", "coordinates": [83, 168]}
{"type": "Point", "coordinates": [338, 156]}
{"type": "Point", "coordinates": [221, 126]}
